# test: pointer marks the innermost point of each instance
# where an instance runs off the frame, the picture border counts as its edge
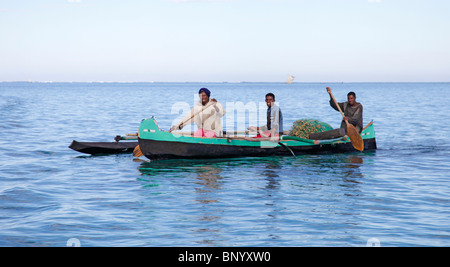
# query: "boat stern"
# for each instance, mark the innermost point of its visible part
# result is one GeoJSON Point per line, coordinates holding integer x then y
{"type": "Point", "coordinates": [368, 136]}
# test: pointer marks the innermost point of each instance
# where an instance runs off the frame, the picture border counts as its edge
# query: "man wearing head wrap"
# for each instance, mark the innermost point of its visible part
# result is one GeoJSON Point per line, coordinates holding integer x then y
{"type": "Point", "coordinates": [208, 116]}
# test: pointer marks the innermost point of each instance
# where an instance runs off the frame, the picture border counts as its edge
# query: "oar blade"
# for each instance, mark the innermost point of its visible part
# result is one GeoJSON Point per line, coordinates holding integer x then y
{"type": "Point", "coordinates": [137, 152]}
{"type": "Point", "coordinates": [355, 137]}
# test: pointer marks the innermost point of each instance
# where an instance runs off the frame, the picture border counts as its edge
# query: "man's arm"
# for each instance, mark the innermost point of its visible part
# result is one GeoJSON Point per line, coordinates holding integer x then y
{"type": "Point", "coordinates": [220, 110]}
{"type": "Point", "coordinates": [275, 123]}
{"type": "Point", "coordinates": [332, 104]}
{"type": "Point", "coordinates": [188, 119]}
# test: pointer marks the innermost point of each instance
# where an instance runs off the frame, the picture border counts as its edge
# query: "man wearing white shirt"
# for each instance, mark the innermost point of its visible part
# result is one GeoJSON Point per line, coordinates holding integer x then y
{"type": "Point", "coordinates": [274, 125]}
{"type": "Point", "coordinates": [208, 118]}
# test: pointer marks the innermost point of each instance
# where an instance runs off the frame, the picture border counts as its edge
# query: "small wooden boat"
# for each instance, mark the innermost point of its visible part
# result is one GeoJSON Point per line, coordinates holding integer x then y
{"type": "Point", "coordinates": [157, 144]}
{"type": "Point", "coordinates": [95, 148]}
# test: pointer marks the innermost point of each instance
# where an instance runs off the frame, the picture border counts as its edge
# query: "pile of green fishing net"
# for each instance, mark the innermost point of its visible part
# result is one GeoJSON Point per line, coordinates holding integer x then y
{"type": "Point", "coordinates": [302, 128]}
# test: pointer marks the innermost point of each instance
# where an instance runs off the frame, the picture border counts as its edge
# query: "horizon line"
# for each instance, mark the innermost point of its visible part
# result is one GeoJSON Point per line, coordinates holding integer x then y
{"type": "Point", "coordinates": [338, 82]}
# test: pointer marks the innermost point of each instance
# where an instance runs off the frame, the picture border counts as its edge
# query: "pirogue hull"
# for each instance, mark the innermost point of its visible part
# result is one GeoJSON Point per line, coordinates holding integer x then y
{"type": "Point", "coordinates": [157, 144]}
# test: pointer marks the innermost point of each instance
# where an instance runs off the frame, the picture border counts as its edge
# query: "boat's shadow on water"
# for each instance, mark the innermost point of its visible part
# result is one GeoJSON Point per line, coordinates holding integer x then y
{"type": "Point", "coordinates": [348, 163]}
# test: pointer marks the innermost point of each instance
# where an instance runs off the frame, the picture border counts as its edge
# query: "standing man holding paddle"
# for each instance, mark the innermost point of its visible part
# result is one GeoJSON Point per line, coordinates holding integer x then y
{"type": "Point", "coordinates": [352, 117]}
{"type": "Point", "coordinates": [207, 115]}
{"type": "Point", "coordinates": [353, 111]}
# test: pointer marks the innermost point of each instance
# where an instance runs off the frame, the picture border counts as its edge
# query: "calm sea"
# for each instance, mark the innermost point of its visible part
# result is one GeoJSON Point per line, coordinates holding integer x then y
{"type": "Point", "coordinates": [398, 195]}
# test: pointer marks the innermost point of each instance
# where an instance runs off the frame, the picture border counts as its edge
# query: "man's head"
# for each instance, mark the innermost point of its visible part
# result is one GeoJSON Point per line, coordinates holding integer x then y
{"type": "Point", "coordinates": [351, 98]}
{"type": "Point", "coordinates": [204, 95]}
{"type": "Point", "coordinates": [270, 98]}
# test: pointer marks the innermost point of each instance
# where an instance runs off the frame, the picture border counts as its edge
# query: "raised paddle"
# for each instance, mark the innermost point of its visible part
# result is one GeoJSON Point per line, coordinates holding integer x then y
{"type": "Point", "coordinates": [137, 150]}
{"type": "Point", "coordinates": [354, 135]}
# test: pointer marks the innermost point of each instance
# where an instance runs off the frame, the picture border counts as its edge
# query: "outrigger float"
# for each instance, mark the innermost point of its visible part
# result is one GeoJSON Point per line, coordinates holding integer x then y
{"type": "Point", "coordinates": [158, 144]}
{"type": "Point", "coordinates": [103, 148]}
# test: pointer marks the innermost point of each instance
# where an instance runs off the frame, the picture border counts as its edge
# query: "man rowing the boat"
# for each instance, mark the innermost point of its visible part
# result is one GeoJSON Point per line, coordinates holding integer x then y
{"type": "Point", "coordinates": [207, 115]}
{"type": "Point", "coordinates": [353, 111]}
{"type": "Point", "coordinates": [274, 126]}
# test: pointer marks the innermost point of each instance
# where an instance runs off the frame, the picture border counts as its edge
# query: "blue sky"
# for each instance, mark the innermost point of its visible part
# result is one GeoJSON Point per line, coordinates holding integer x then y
{"type": "Point", "coordinates": [225, 40]}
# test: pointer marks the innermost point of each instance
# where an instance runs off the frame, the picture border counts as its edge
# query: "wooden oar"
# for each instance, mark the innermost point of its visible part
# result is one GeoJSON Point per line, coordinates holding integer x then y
{"type": "Point", "coordinates": [137, 150]}
{"type": "Point", "coordinates": [355, 137]}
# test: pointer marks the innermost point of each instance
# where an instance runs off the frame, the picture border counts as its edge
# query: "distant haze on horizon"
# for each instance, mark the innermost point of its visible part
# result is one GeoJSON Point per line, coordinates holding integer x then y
{"type": "Point", "coordinates": [225, 40]}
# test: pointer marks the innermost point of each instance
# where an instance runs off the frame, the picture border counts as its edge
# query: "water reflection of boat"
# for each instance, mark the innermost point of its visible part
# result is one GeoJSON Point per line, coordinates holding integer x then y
{"type": "Point", "coordinates": [270, 167]}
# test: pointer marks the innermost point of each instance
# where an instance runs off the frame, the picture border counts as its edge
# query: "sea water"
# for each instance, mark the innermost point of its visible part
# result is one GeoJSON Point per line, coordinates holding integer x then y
{"type": "Point", "coordinates": [50, 195]}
